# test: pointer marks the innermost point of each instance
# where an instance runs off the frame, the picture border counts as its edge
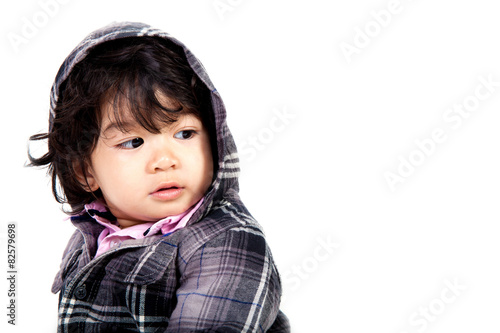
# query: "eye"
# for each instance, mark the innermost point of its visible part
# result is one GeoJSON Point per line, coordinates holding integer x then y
{"type": "Point", "coordinates": [184, 135]}
{"type": "Point", "coordinates": [131, 144]}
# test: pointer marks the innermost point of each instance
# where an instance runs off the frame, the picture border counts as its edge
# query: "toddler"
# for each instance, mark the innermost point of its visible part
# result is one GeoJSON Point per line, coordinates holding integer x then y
{"type": "Point", "coordinates": [139, 149]}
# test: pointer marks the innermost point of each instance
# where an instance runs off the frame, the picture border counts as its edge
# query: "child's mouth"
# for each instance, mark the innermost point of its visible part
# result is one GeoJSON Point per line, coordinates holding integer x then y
{"type": "Point", "coordinates": [167, 192]}
{"type": "Point", "coordinates": [168, 188]}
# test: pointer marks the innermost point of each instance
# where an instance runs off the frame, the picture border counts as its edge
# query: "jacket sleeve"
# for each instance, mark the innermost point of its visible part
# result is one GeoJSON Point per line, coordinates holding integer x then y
{"type": "Point", "coordinates": [70, 256]}
{"type": "Point", "coordinates": [230, 284]}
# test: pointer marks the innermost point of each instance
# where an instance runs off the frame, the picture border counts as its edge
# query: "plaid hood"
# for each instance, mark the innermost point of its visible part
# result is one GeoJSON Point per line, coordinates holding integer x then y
{"type": "Point", "coordinates": [226, 181]}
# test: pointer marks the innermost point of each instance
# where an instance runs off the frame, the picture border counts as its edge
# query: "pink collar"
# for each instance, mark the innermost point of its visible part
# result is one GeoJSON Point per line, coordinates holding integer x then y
{"type": "Point", "coordinates": [113, 235]}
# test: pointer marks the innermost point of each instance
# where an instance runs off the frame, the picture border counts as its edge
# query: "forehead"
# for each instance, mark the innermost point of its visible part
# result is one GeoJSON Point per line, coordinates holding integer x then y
{"type": "Point", "coordinates": [126, 124]}
{"type": "Point", "coordinates": [119, 112]}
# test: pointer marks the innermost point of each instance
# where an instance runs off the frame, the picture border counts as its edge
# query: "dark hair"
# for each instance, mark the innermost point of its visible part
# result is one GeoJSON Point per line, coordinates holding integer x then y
{"type": "Point", "coordinates": [128, 71]}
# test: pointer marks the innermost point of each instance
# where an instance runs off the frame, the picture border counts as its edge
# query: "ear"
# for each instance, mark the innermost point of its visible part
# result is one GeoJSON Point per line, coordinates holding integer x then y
{"type": "Point", "coordinates": [86, 179]}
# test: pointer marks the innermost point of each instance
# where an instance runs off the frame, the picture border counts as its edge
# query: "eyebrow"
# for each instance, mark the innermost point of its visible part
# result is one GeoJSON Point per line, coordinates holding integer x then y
{"type": "Point", "coordinates": [122, 126]}
{"type": "Point", "coordinates": [126, 126]}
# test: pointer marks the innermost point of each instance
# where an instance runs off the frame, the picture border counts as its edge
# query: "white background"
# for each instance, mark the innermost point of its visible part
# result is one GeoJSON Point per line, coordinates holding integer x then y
{"type": "Point", "coordinates": [390, 256]}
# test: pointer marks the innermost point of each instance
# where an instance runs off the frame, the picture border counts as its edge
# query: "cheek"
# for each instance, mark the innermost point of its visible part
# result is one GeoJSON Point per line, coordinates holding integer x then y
{"type": "Point", "coordinates": [122, 174]}
{"type": "Point", "coordinates": [208, 157]}
{"type": "Point", "coordinates": [200, 164]}
{"type": "Point", "coordinates": [111, 173]}
{"type": "Point", "coordinates": [208, 168]}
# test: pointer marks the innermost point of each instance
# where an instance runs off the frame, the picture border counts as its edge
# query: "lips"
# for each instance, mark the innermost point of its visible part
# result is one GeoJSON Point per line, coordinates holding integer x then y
{"type": "Point", "coordinates": [167, 191]}
{"type": "Point", "coordinates": [166, 186]}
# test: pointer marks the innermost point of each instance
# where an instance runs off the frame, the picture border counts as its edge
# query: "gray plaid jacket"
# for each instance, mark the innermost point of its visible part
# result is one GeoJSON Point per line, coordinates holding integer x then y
{"type": "Point", "coordinates": [215, 275]}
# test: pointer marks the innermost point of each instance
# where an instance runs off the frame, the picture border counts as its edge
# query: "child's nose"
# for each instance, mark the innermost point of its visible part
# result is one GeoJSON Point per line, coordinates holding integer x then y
{"type": "Point", "coordinates": [163, 158]}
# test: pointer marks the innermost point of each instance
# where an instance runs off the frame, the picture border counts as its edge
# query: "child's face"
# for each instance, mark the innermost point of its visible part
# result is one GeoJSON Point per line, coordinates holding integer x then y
{"type": "Point", "coordinates": [145, 177]}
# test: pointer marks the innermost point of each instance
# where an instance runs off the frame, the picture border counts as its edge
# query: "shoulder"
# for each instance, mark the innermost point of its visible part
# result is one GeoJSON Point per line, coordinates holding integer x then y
{"type": "Point", "coordinates": [228, 226]}
{"type": "Point", "coordinates": [225, 264]}
{"type": "Point", "coordinates": [70, 256]}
